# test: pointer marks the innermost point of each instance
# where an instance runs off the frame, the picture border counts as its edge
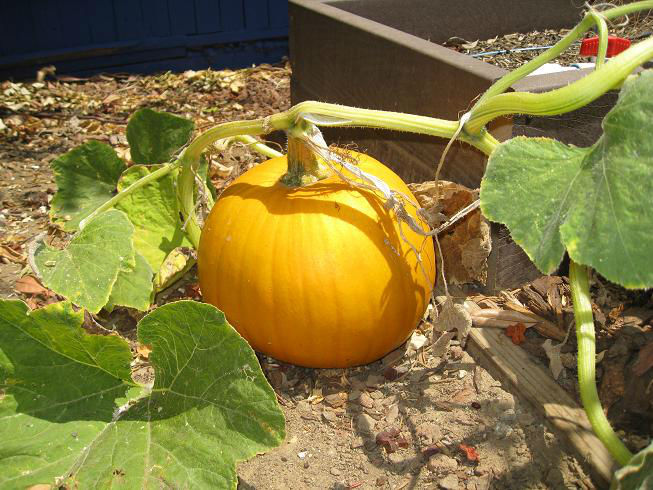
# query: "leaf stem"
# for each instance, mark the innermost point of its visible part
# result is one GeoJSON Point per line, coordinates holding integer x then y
{"type": "Point", "coordinates": [579, 280]}
{"type": "Point", "coordinates": [602, 27]}
{"type": "Point", "coordinates": [505, 82]}
{"type": "Point", "coordinates": [256, 145]}
{"type": "Point", "coordinates": [565, 99]}
{"type": "Point", "coordinates": [157, 174]}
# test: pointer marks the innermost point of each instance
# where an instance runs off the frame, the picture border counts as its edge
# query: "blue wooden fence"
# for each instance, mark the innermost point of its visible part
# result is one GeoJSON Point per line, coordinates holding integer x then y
{"type": "Point", "coordinates": [86, 36]}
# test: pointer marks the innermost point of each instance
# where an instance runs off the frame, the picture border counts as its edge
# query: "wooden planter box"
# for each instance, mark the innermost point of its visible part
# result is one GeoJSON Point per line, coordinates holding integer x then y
{"type": "Point", "coordinates": [384, 54]}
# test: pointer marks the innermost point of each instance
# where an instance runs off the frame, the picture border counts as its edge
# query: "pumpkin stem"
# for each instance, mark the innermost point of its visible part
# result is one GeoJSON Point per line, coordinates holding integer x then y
{"type": "Point", "coordinates": [305, 166]}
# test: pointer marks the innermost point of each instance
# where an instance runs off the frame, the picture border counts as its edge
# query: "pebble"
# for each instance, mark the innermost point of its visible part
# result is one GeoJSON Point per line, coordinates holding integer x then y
{"type": "Point", "coordinates": [526, 419]}
{"type": "Point", "coordinates": [366, 400]}
{"type": "Point", "coordinates": [428, 432]}
{"type": "Point", "coordinates": [449, 482]}
{"type": "Point", "coordinates": [354, 395]}
{"type": "Point", "coordinates": [397, 458]}
{"type": "Point", "coordinates": [442, 463]}
{"type": "Point", "coordinates": [335, 471]}
{"type": "Point", "coordinates": [335, 400]}
{"type": "Point", "coordinates": [357, 442]}
{"type": "Point", "coordinates": [365, 423]}
{"type": "Point", "coordinates": [508, 416]}
{"type": "Point", "coordinates": [376, 395]}
{"type": "Point", "coordinates": [329, 416]}
{"type": "Point", "coordinates": [393, 413]}
{"type": "Point", "coordinates": [502, 430]}
{"type": "Point", "coordinates": [303, 406]}
{"type": "Point", "coordinates": [374, 381]}
{"type": "Point", "coordinates": [381, 481]}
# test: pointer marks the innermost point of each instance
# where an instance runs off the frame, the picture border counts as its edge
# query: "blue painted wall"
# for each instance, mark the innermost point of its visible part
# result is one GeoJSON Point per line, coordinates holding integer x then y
{"type": "Point", "coordinates": [90, 36]}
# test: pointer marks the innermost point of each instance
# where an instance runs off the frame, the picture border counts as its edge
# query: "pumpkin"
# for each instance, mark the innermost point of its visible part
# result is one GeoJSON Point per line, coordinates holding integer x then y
{"type": "Point", "coordinates": [315, 275]}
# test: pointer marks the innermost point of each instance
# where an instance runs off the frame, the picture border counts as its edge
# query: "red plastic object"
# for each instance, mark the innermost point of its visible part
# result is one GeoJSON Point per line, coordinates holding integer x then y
{"type": "Point", "coordinates": [590, 46]}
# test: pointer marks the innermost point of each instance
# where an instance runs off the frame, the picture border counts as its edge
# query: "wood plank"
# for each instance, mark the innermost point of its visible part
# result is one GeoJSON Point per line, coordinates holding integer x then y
{"type": "Point", "coordinates": [156, 17]}
{"type": "Point", "coordinates": [182, 17]}
{"type": "Point", "coordinates": [47, 28]}
{"type": "Point", "coordinates": [278, 13]}
{"type": "Point", "coordinates": [17, 29]}
{"type": "Point", "coordinates": [232, 15]}
{"type": "Point", "coordinates": [507, 361]}
{"type": "Point", "coordinates": [129, 19]}
{"type": "Point", "coordinates": [75, 30]}
{"type": "Point", "coordinates": [256, 14]}
{"type": "Point", "coordinates": [101, 23]}
{"type": "Point", "coordinates": [207, 16]}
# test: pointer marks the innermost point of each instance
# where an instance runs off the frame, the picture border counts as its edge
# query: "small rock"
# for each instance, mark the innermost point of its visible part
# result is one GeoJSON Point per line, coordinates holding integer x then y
{"type": "Point", "coordinates": [306, 464]}
{"type": "Point", "coordinates": [456, 352]}
{"type": "Point", "coordinates": [354, 395]}
{"type": "Point", "coordinates": [508, 416]}
{"type": "Point", "coordinates": [502, 430]}
{"type": "Point", "coordinates": [365, 423]}
{"type": "Point", "coordinates": [393, 413]}
{"type": "Point", "coordinates": [303, 406]}
{"type": "Point", "coordinates": [391, 440]}
{"type": "Point", "coordinates": [396, 458]}
{"type": "Point", "coordinates": [335, 400]}
{"type": "Point", "coordinates": [376, 395]}
{"type": "Point", "coordinates": [394, 356]}
{"type": "Point", "coordinates": [302, 454]}
{"type": "Point", "coordinates": [381, 481]}
{"type": "Point", "coordinates": [449, 482]}
{"type": "Point", "coordinates": [374, 381]}
{"type": "Point", "coordinates": [335, 471]}
{"type": "Point", "coordinates": [526, 419]}
{"type": "Point", "coordinates": [357, 442]}
{"type": "Point", "coordinates": [392, 373]}
{"type": "Point", "coordinates": [329, 416]}
{"type": "Point", "coordinates": [428, 432]}
{"type": "Point", "coordinates": [441, 463]}
{"type": "Point", "coordinates": [366, 400]}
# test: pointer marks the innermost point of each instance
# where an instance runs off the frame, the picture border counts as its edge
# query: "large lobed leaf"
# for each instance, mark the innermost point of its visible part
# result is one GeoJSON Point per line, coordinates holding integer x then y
{"type": "Point", "coordinates": [155, 136]}
{"type": "Point", "coordinates": [70, 414]}
{"type": "Point", "coordinates": [637, 474]}
{"type": "Point", "coordinates": [87, 269]}
{"type": "Point", "coordinates": [154, 211]}
{"type": "Point", "coordinates": [597, 202]}
{"type": "Point", "coordinates": [86, 178]}
{"type": "Point", "coordinates": [133, 287]}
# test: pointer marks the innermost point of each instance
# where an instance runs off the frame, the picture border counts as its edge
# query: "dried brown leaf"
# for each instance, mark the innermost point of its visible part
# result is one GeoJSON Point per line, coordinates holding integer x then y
{"type": "Point", "coordinates": [453, 316]}
{"type": "Point", "coordinates": [30, 285]}
{"type": "Point", "coordinates": [466, 245]}
{"type": "Point", "coordinates": [553, 353]}
{"type": "Point", "coordinates": [644, 360]}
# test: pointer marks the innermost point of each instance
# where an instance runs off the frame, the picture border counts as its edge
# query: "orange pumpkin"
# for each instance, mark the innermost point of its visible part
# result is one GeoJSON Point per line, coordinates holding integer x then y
{"type": "Point", "coordinates": [317, 275]}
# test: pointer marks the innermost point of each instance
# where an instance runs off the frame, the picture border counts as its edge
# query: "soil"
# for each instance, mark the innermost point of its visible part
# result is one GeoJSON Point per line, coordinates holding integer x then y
{"type": "Point", "coordinates": [411, 420]}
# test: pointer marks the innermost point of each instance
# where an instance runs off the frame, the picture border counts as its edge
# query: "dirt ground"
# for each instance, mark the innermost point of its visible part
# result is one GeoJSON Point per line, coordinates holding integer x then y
{"type": "Point", "coordinates": [411, 420]}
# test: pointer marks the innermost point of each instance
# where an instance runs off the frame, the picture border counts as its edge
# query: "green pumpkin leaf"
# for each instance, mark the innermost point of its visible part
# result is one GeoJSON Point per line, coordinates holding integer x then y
{"type": "Point", "coordinates": [637, 474]}
{"type": "Point", "coordinates": [64, 417]}
{"type": "Point", "coordinates": [154, 212]}
{"type": "Point", "coordinates": [133, 288]}
{"type": "Point", "coordinates": [595, 202]}
{"type": "Point", "coordinates": [59, 389]}
{"type": "Point", "coordinates": [155, 136]}
{"type": "Point", "coordinates": [86, 270]}
{"type": "Point", "coordinates": [86, 178]}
